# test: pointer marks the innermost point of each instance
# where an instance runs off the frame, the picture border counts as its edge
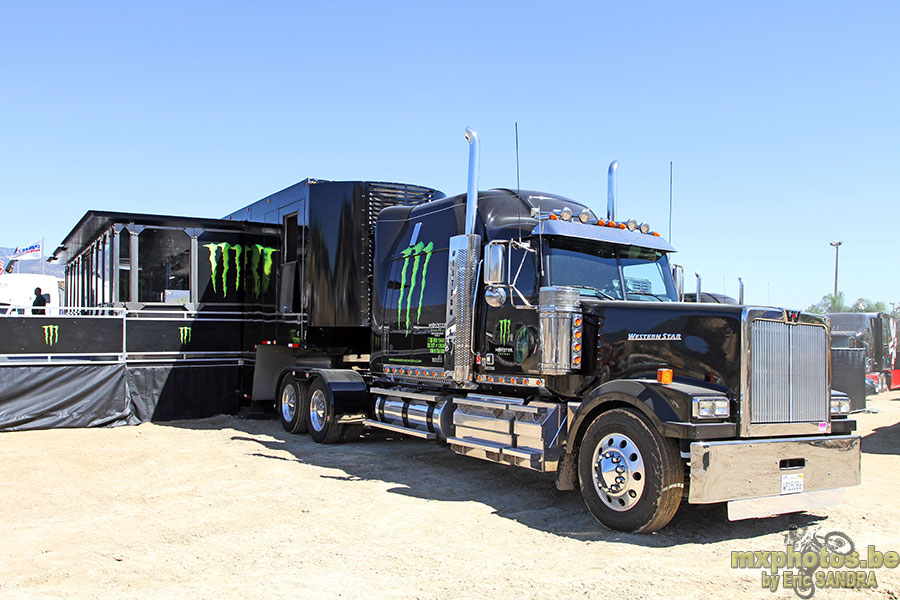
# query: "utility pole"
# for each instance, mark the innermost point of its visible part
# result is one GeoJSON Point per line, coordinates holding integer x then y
{"type": "Point", "coordinates": [837, 246]}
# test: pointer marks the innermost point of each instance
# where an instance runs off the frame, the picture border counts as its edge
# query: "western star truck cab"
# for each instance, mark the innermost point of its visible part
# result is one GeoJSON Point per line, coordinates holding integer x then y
{"type": "Point", "coordinates": [521, 328]}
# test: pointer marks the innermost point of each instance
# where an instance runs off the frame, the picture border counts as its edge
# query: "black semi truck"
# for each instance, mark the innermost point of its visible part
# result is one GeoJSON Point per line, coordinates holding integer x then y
{"type": "Point", "coordinates": [877, 334]}
{"type": "Point", "coordinates": [521, 328]}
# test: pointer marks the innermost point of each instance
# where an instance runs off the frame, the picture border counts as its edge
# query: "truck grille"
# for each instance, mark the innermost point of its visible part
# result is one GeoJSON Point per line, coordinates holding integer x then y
{"type": "Point", "coordinates": [788, 373]}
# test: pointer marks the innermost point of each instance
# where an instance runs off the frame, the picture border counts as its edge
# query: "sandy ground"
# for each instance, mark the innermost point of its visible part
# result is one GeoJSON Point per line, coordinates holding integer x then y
{"type": "Point", "coordinates": [231, 508]}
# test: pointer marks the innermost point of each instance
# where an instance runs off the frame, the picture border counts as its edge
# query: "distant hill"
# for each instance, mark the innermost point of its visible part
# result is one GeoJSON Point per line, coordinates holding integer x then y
{"type": "Point", "coordinates": [33, 266]}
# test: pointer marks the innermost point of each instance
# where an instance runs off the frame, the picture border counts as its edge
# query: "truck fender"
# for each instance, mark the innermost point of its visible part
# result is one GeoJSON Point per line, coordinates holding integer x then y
{"type": "Point", "coordinates": [349, 392]}
{"type": "Point", "coordinates": [641, 395]}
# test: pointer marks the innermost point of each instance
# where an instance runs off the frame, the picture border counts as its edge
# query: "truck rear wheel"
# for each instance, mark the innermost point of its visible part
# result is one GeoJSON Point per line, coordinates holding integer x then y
{"type": "Point", "coordinates": [292, 406]}
{"type": "Point", "coordinates": [631, 477]}
{"type": "Point", "coordinates": [323, 425]}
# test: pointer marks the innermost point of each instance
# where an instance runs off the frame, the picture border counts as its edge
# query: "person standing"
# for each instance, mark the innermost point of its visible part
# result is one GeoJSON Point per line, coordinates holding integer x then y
{"type": "Point", "coordinates": [39, 300]}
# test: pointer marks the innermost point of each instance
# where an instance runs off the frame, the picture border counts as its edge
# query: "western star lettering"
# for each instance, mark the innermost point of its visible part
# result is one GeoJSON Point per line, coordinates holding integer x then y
{"type": "Point", "coordinates": [665, 337]}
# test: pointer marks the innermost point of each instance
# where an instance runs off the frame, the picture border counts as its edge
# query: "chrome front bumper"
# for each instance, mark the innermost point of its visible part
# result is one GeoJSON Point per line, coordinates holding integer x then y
{"type": "Point", "coordinates": [782, 471]}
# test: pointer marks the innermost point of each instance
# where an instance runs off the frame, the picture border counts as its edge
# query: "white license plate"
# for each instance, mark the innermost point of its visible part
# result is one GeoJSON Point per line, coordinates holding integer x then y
{"type": "Point", "coordinates": [791, 484]}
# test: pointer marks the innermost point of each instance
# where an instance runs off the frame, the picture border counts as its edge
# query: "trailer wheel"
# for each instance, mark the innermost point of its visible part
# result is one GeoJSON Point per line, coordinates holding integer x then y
{"type": "Point", "coordinates": [292, 406]}
{"type": "Point", "coordinates": [631, 477]}
{"type": "Point", "coordinates": [323, 425]}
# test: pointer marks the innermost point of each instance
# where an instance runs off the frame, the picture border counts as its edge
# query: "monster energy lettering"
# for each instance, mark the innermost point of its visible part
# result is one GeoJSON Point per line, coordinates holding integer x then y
{"type": "Point", "coordinates": [51, 334]}
{"type": "Point", "coordinates": [221, 254]}
{"type": "Point", "coordinates": [504, 334]}
{"type": "Point", "coordinates": [416, 253]}
{"type": "Point", "coordinates": [185, 333]}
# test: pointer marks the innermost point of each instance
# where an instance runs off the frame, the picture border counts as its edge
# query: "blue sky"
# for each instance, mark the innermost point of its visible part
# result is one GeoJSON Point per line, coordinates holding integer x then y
{"type": "Point", "coordinates": [782, 118]}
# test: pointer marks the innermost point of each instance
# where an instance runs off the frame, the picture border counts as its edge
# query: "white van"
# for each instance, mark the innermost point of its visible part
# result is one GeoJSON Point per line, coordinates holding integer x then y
{"type": "Point", "coordinates": [17, 290]}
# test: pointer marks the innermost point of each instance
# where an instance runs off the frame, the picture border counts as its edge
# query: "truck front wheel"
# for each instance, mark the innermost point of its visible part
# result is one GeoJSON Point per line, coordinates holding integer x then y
{"type": "Point", "coordinates": [631, 477]}
{"type": "Point", "coordinates": [323, 425]}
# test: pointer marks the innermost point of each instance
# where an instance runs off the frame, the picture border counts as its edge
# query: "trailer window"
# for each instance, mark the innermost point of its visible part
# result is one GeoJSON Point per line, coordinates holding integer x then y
{"type": "Point", "coordinates": [165, 266]}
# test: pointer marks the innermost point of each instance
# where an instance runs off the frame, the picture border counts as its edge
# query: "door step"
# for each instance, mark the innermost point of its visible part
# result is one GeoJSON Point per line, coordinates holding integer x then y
{"type": "Point", "coordinates": [425, 435]}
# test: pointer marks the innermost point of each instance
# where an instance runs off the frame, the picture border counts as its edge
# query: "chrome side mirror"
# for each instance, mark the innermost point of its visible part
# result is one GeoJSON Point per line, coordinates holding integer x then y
{"type": "Point", "coordinates": [495, 264]}
{"type": "Point", "coordinates": [678, 278]}
{"type": "Point", "coordinates": [495, 296]}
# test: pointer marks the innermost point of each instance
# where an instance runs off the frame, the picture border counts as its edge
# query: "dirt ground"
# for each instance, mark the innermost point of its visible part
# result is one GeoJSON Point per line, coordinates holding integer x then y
{"type": "Point", "coordinates": [232, 508]}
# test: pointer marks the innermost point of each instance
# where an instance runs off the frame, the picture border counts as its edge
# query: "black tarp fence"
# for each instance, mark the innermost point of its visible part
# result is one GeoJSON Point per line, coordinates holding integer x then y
{"type": "Point", "coordinates": [108, 395]}
{"type": "Point", "coordinates": [44, 397]}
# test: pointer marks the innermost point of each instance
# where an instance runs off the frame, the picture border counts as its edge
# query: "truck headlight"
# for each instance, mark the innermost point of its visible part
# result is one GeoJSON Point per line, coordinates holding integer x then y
{"type": "Point", "coordinates": [840, 406]}
{"type": "Point", "coordinates": [711, 407]}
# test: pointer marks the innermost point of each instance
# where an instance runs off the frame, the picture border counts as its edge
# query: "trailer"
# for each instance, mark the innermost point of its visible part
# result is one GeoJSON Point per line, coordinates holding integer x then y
{"type": "Point", "coordinates": [876, 333]}
{"type": "Point", "coordinates": [513, 326]}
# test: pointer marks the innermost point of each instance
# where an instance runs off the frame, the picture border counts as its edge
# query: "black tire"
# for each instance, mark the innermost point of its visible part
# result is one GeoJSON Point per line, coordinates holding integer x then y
{"type": "Point", "coordinates": [839, 542]}
{"type": "Point", "coordinates": [639, 472]}
{"type": "Point", "coordinates": [293, 405]}
{"type": "Point", "coordinates": [323, 425]}
{"type": "Point", "coordinates": [351, 433]}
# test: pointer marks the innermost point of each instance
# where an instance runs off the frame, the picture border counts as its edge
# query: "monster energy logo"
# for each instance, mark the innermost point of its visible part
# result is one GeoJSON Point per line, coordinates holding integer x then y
{"type": "Point", "coordinates": [504, 334]}
{"type": "Point", "coordinates": [185, 333]}
{"type": "Point", "coordinates": [255, 254]}
{"type": "Point", "coordinates": [416, 253]}
{"type": "Point", "coordinates": [51, 334]}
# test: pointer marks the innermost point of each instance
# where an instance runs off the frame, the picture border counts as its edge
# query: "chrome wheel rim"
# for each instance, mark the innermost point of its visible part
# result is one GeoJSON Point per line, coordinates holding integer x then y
{"type": "Point", "coordinates": [288, 403]}
{"type": "Point", "coordinates": [317, 410]}
{"type": "Point", "coordinates": [618, 472]}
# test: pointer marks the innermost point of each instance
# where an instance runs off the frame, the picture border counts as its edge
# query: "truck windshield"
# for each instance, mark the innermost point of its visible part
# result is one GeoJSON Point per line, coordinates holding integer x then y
{"type": "Point", "coordinates": [610, 271]}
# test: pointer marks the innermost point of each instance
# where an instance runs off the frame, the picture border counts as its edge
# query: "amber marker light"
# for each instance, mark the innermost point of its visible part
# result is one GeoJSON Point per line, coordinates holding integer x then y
{"type": "Point", "coordinates": [601, 222]}
{"type": "Point", "coordinates": [554, 218]}
{"type": "Point", "coordinates": [664, 376]}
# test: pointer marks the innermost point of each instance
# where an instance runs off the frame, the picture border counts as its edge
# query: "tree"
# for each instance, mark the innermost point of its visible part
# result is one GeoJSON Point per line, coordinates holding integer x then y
{"type": "Point", "coordinates": [868, 306]}
{"type": "Point", "coordinates": [835, 304]}
{"type": "Point", "coordinates": [829, 304]}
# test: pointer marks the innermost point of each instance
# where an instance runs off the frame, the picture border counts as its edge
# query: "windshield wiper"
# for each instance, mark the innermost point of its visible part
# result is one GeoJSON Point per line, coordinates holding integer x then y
{"type": "Point", "coordinates": [600, 293]}
{"type": "Point", "coordinates": [641, 293]}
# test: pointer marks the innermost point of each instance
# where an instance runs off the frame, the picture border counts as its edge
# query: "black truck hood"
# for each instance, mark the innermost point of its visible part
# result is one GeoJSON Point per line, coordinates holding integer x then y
{"type": "Point", "coordinates": [699, 342]}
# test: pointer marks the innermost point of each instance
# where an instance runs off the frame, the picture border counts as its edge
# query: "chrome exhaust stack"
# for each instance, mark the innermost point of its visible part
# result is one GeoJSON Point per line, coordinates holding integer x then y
{"type": "Point", "coordinates": [740, 291]}
{"type": "Point", "coordinates": [472, 186]}
{"type": "Point", "coordinates": [697, 275]}
{"type": "Point", "coordinates": [462, 280]}
{"type": "Point", "coordinates": [611, 191]}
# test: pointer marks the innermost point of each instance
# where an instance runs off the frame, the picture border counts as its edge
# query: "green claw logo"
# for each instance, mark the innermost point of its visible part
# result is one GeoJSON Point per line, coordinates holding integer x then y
{"type": "Point", "coordinates": [254, 254]}
{"type": "Point", "coordinates": [185, 333]}
{"type": "Point", "coordinates": [504, 336]}
{"type": "Point", "coordinates": [51, 334]}
{"type": "Point", "coordinates": [416, 253]}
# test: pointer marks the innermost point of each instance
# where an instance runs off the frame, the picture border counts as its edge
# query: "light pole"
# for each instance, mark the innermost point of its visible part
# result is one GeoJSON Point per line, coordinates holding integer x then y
{"type": "Point", "coordinates": [837, 246]}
